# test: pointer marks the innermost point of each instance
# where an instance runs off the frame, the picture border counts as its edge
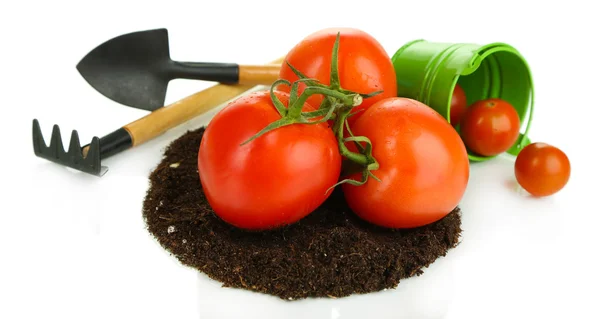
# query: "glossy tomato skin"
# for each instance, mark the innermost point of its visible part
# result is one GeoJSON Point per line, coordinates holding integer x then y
{"type": "Point", "coordinates": [364, 65]}
{"type": "Point", "coordinates": [423, 165]}
{"type": "Point", "coordinates": [542, 169]}
{"type": "Point", "coordinates": [458, 105]}
{"type": "Point", "coordinates": [276, 179]}
{"type": "Point", "coordinates": [490, 127]}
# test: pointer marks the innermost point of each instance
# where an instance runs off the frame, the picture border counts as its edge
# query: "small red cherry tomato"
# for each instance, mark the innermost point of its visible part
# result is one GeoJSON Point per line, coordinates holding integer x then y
{"type": "Point", "coordinates": [458, 105]}
{"type": "Point", "coordinates": [490, 127]}
{"type": "Point", "coordinates": [542, 169]}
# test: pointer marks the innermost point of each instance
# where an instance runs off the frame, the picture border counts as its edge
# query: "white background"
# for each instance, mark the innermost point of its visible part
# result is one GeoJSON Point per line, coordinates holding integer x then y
{"type": "Point", "coordinates": [75, 246]}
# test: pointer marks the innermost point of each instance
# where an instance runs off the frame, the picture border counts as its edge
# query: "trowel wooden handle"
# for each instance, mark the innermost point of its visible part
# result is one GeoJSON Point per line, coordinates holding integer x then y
{"type": "Point", "coordinates": [258, 74]}
{"type": "Point", "coordinates": [170, 116]}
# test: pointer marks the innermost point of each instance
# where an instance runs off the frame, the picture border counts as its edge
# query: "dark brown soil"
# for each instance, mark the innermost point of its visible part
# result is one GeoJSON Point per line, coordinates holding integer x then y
{"type": "Point", "coordinates": [330, 253]}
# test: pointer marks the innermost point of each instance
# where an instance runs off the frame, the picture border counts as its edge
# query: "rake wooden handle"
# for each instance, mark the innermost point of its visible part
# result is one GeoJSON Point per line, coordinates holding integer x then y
{"type": "Point", "coordinates": [170, 116]}
{"type": "Point", "coordinates": [163, 119]}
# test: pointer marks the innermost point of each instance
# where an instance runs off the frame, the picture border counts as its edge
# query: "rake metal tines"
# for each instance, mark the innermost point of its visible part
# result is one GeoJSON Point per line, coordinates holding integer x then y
{"type": "Point", "coordinates": [86, 159]}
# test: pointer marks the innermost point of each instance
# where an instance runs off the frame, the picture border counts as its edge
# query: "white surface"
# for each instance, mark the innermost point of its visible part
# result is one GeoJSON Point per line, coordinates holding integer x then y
{"type": "Point", "coordinates": [75, 246]}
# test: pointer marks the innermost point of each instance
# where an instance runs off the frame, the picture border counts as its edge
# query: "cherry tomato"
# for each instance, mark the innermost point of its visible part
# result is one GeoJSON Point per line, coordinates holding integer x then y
{"type": "Point", "coordinates": [458, 105]}
{"type": "Point", "coordinates": [490, 127]}
{"type": "Point", "coordinates": [364, 65]}
{"type": "Point", "coordinates": [542, 169]}
{"type": "Point", "coordinates": [275, 179]}
{"type": "Point", "coordinates": [423, 165]}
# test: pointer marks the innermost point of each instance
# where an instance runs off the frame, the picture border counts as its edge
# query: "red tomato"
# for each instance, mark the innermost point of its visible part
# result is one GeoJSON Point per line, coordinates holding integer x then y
{"type": "Point", "coordinates": [458, 105]}
{"type": "Point", "coordinates": [364, 65]}
{"type": "Point", "coordinates": [423, 165]}
{"type": "Point", "coordinates": [490, 127]}
{"type": "Point", "coordinates": [274, 180]}
{"type": "Point", "coordinates": [542, 169]}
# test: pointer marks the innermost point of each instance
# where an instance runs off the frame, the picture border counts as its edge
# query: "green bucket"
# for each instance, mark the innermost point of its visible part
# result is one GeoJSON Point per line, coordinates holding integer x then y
{"type": "Point", "coordinates": [428, 71]}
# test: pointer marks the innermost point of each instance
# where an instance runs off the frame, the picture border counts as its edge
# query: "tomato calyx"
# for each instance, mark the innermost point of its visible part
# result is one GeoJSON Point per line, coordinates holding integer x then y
{"type": "Point", "coordinates": [293, 114]}
{"type": "Point", "coordinates": [337, 105]}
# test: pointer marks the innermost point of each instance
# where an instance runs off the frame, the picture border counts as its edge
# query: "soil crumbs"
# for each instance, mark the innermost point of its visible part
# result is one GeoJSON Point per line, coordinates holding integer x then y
{"type": "Point", "coordinates": [329, 253]}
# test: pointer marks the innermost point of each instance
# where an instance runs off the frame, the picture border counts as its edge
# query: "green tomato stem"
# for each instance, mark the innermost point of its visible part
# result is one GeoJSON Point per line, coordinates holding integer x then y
{"type": "Point", "coordinates": [338, 129]}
